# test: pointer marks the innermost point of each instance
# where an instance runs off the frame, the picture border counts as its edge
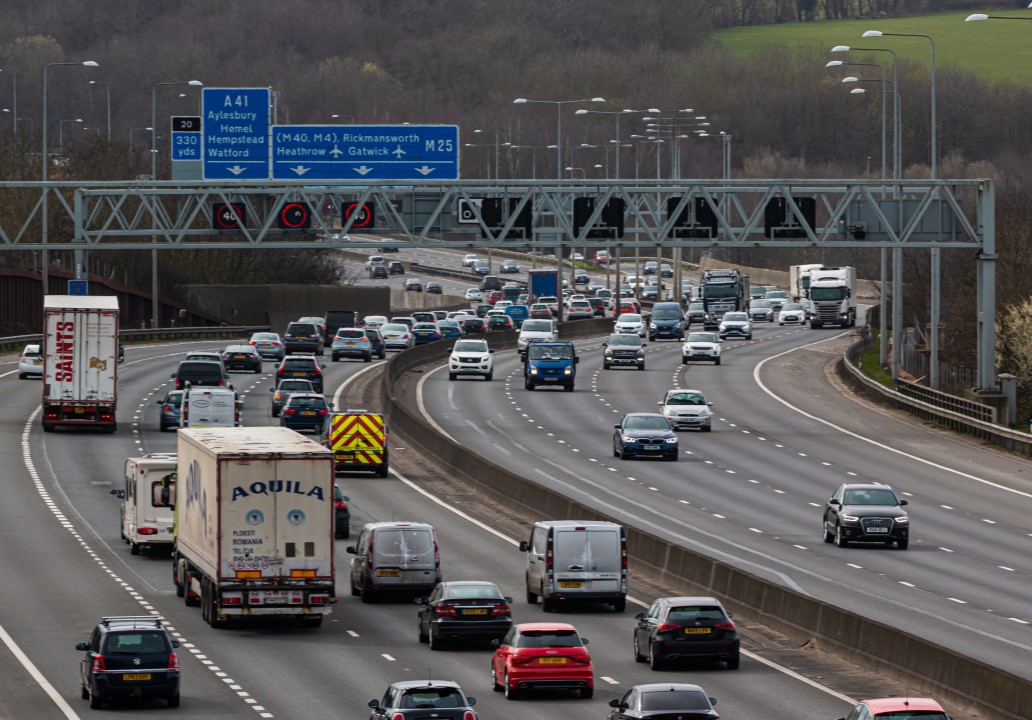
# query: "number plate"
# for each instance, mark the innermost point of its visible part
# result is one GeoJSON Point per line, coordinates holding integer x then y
{"type": "Point", "coordinates": [80, 411]}
{"type": "Point", "coordinates": [475, 611]}
{"type": "Point", "coordinates": [136, 676]}
{"type": "Point", "coordinates": [877, 530]}
{"type": "Point", "coordinates": [650, 447]}
{"type": "Point", "coordinates": [239, 357]}
{"type": "Point", "coordinates": [571, 584]}
{"type": "Point", "coordinates": [279, 596]}
{"type": "Point", "coordinates": [552, 661]}
{"type": "Point", "coordinates": [388, 573]}
{"type": "Point", "coordinates": [696, 631]}
{"type": "Point", "coordinates": [300, 374]}
{"type": "Point", "coordinates": [308, 412]}
{"type": "Point", "coordinates": [345, 457]}
{"type": "Point", "coordinates": [349, 343]}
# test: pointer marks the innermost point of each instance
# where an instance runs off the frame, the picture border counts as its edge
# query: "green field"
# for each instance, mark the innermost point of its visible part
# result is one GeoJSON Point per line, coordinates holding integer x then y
{"type": "Point", "coordinates": [995, 50]}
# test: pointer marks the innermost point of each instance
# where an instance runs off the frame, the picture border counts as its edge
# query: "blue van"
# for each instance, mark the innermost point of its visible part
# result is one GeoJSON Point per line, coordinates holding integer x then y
{"type": "Point", "coordinates": [667, 321]}
{"type": "Point", "coordinates": [553, 363]}
{"type": "Point", "coordinates": [518, 313]}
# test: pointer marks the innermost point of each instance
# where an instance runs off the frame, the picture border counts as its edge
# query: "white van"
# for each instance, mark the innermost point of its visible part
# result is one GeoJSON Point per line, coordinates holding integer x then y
{"type": "Point", "coordinates": [578, 560]}
{"type": "Point", "coordinates": [209, 407]}
{"type": "Point", "coordinates": [395, 558]}
{"type": "Point", "coordinates": [146, 515]}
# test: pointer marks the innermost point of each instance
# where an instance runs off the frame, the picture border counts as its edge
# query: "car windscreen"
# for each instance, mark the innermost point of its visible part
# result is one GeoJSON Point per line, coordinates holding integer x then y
{"type": "Point", "coordinates": [240, 349]}
{"type": "Point", "coordinates": [462, 592]}
{"type": "Point", "coordinates": [394, 327]}
{"type": "Point", "coordinates": [691, 613]}
{"type": "Point", "coordinates": [776, 294]}
{"type": "Point", "coordinates": [630, 318]}
{"type": "Point", "coordinates": [697, 307]}
{"type": "Point", "coordinates": [350, 333]}
{"type": "Point", "coordinates": [869, 497]}
{"type": "Point", "coordinates": [470, 346]}
{"type": "Point", "coordinates": [675, 700]}
{"type": "Point", "coordinates": [537, 352]}
{"type": "Point", "coordinates": [294, 385]}
{"type": "Point", "coordinates": [640, 422]}
{"type": "Point", "coordinates": [736, 317]}
{"type": "Point", "coordinates": [685, 398]}
{"type": "Point", "coordinates": [549, 639]}
{"type": "Point", "coordinates": [174, 399]}
{"type": "Point", "coordinates": [306, 402]}
{"type": "Point", "coordinates": [759, 304]}
{"type": "Point", "coordinates": [627, 340]}
{"type": "Point", "coordinates": [537, 326]}
{"type": "Point", "coordinates": [702, 337]}
{"type": "Point", "coordinates": [425, 326]}
{"type": "Point", "coordinates": [791, 306]}
{"type": "Point", "coordinates": [301, 329]}
{"type": "Point", "coordinates": [666, 314]}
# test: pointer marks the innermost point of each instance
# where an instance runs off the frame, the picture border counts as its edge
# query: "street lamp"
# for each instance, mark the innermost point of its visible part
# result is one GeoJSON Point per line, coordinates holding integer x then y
{"type": "Point", "coordinates": [897, 135]}
{"type": "Point", "coordinates": [351, 118]}
{"type": "Point", "coordinates": [60, 134]}
{"type": "Point", "coordinates": [839, 63]}
{"type": "Point", "coordinates": [533, 154]}
{"type": "Point", "coordinates": [487, 172]}
{"type": "Point", "coordinates": [107, 87]}
{"type": "Point", "coordinates": [979, 16]}
{"type": "Point", "coordinates": [14, 99]}
{"type": "Point", "coordinates": [45, 230]}
{"type": "Point", "coordinates": [495, 133]}
{"type": "Point", "coordinates": [617, 113]}
{"type": "Point", "coordinates": [558, 124]}
{"type": "Point", "coordinates": [572, 169]}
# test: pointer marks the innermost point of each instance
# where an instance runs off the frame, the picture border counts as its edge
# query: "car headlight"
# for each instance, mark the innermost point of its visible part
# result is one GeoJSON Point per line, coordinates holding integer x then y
{"type": "Point", "coordinates": [652, 326]}
{"type": "Point", "coordinates": [568, 371]}
{"type": "Point", "coordinates": [902, 520]}
{"type": "Point", "coordinates": [485, 358]}
{"type": "Point", "coordinates": [641, 353]}
{"type": "Point", "coordinates": [671, 441]}
{"type": "Point", "coordinates": [608, 355]}
{"type": "Point", "coordinates": [850, 518]}
{"type": "Point", "coordinates": [677, 326]}
{"type": "Point", "coordinates": [628, 439]}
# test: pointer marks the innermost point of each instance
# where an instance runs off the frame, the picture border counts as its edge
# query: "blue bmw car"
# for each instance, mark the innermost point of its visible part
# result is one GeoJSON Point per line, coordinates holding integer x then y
{"type": "Point", "coordinates": [645, 435]}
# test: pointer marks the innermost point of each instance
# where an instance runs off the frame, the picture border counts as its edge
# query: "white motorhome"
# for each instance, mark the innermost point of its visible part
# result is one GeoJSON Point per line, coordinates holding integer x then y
{"type": "Point", "coordinates": [209, 407]}
{"type": "Point", "coordinates": [146, 513]}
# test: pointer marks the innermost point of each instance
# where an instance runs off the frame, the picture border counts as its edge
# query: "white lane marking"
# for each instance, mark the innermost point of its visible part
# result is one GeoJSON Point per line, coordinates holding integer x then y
{"type": "Point", "coordinates": [887, 448]}
{"type": "Point", "coordinates": [343, 386]}
{"type": "Point", "coordinates": [422, 405]}
{"type": "Point", "coordinates": [752, 656]}
{"type": "Point", "coordinates": [609, 680]}
{"type": "Point", "coordinates": [352, 633]}
{"type": "Point", "coordinates": [387, 657]}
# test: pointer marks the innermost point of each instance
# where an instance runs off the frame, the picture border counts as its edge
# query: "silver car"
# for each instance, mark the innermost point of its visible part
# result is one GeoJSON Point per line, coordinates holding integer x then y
{"type": "Point", "coordinates": [761, 311]}
{"type": "Point", "coordinates": [701, 346]}
{"type": "Point", "coordinates": [735, 324]}
{"type": "Point", "coordinates": [397, 336]}
{"type": "Point", "coordinates": [686, 409]}
{"type": "Point", "coordinates": [792, 313]}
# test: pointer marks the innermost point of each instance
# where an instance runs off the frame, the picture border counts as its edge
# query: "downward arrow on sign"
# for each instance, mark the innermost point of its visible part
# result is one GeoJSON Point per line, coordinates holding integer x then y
{"type": "Point", "coordinates": [236, 169]}
{"type": "Point", "coordinates": [425, 170]}
{"type": "Point", "coordinates": [362, 170]}
{"type": "Point", "coordinates": [300, 170]}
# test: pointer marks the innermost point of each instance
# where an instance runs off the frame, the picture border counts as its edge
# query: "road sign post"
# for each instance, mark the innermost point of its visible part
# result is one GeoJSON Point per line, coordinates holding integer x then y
{"type": "Point", "coordinates": [365, 152]}
{"type": "Point", "coordinates": [236, 133]}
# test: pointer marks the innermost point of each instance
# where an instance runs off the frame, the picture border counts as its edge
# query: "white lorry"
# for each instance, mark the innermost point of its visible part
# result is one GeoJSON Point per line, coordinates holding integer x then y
{"type": "Point", "coordinates": [799, 282]}
{"type": "Point", "coordinates": [254, 524]}
{"type": "Point", "coordinates": [146, 512]}
{"type": "Point", "coordinates": [832, 297]}
{"type": "Point", "coordinates": [80, 361]}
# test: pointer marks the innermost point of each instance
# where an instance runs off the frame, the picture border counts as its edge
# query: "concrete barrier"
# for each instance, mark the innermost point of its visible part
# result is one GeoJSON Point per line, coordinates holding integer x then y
{"type": "Point", "coordinates": [945, 673]}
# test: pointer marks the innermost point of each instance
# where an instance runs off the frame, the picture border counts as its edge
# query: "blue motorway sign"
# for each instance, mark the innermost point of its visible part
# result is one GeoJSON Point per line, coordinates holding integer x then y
{"type": "Point", "coordinates": [186, 138]}
{"type": "Point", "coordinates": [236, 133]}
{"type": "Point", "coordinates": [365, 152]}
{"type": "Point", "coordinates": [78, 287]}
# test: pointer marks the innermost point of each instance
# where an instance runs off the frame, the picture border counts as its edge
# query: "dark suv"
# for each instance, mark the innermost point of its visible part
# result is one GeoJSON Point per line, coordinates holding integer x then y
{"type": "Point", "coordinates": [396, 267]}
{"type": "Point", "coordinates": [303, 338]}
{"type": "Point", "coordinates": [866, 512]}
{"type": "Point", "coordinates": [199, 372]}
{"type": "Point", "coordinates": [129, 657]}
{"type": "Point", "coordinates": [304, 367]}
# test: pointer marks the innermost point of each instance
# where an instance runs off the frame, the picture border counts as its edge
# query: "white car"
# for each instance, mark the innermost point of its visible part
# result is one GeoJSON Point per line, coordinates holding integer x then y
{"type": "Point", "coordinates": [735, 324]}
{"type": "Point", "coordinates": [634, 282]}
{"type": "Point", "coordinates": [474, 294]}
{"type": "Point", "coordinates": [459, 314]}
{"type": "Point", "coordinates": [374, 260]}
{"type": "Point", "coordinates": [687, 409]}
{"type": "Point", "coordinates": [579, 310]}
{"type": "Point", "coordinates": [535, 330]}
{"type": "Point", "coordinates": [30, 362]}
{"type": "Point", "coordinates": [468, 260]}
{"type": "Point", "coordinates": [701, 346]}
{"type": "Point", "coordinates": [502, 304]}
{"type": "Point", "coordinates": [792, 313]}
{"type": "Point", "coordinates": [471, 357]}
{"type": "Point", "coordinates": [374, 321]}
{"type": "Point", "coordinates": [630, 323]}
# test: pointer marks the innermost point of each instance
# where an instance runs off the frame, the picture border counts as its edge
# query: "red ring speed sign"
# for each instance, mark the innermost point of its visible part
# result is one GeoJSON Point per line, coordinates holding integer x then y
{"type": "Point", "coordinates": [363, 214]}
{"type": "Point", "coordinates": [294, 215]}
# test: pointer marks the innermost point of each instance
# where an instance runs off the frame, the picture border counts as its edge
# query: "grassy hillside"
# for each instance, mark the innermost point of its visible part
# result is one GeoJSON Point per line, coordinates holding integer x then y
{"type": "Point", "coordinates": [996, 50]}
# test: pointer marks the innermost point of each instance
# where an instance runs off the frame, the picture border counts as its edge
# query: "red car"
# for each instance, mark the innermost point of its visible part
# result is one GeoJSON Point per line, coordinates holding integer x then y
{"type": "Point", "coordinates": [494, 296]}
{"type": "Point", "coordinates": [542, 655]}
{"type": "Point", "coordinates": [915, 708]}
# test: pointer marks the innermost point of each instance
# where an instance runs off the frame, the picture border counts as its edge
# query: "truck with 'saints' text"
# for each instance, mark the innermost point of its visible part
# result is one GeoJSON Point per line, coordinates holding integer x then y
{"type": "Point", "coordinates": [832, 297]}
{"type": "Point", "coordinates": [723, 290]}
{"type": "Point", "coordinates": [254, 513]}
{"type": "Point", "coordinates": [80, 361]}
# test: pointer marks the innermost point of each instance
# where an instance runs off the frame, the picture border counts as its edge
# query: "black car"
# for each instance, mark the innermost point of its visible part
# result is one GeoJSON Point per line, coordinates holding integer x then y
{"type": "Point", "coordinates": [285, 388]}
{"type": "Point", "coordinates": [581, 277]}
{"type": "Point", "coordinates": [866, 513]}
{"type": "Point", "coordinates": [696, 313]}
{"type": "Point", "coordinates": [659, 701]}
{"type": "Point", "coordinates": [434, 288]}
{"type": "Point", "coordinates": [378, 272]}
{"type": "Point", "coordinates": [598, 307]}
{"type": "Point", "coordinates": [509, 266]}
{"type": "Point", "coordinates": [396, 267]}
{"type": "Point", "coordinates": [409, 699]}
{"type": "Point", "coordinates": [645, 435]}
{"type": "Point", "coordinates": [491, 282]}
{"type": "Point", "coordinates": [341, 514]}
{"type": "Point", "coordinates": [242, 357]}
{"type": "Point", "coordinates": [205, 373]}
{"type": "Point", "coordinates": [170, 408]}
{"type": "Point", "coordinates": [463, 610]}
{"type": "Point", "coordinates": [129, 657]}
{"type": "Point", "coordinates": [303, 338]}
{"type": "Point", "coordinates": [475, 326]}
{"type": "Point", "coordinates": [304, 367]}
{"type": "Point", "coordinates": [623, 349]}
{"type": "Point", "coordinates": [306, 411]}
{"type": "Point", "coordinates": [686, 628]}
{"type": "Point", "coordinates": [480, 267]}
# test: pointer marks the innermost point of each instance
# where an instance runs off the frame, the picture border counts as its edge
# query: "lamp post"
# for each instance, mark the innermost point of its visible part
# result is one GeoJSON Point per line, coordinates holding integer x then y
{"type": "Point", "coordinates": [148, 129]}
{"type": "Point", "coordinates": [533, 154]}
{"type": "Point", "coordinates": [558, 124]}
{"type": "Point", "coordinates": [487, 175]}
{"type": "Point", "coordinates": [839, 63]}
{"type": "Point", "coordinates": [897, 154]}
{"type": "Point", "coordinates": [351, 118]}
{"type": "Point", "coordinates": [936, 253]}
{"type": "Point", "coordinates": [979, 16]}
{"type": "Point", "coordinates": [495, 133]}
{"type": "Point", "coordinates": [107, 87]}
{"type": "Point", "coordinates": [155, 301]}
{"type": "Point", "coordinates": [60, 132]}
{"type": "Point", "coordinates": [14, 99]}
{"type": "Point", "coordinates": [617, 113]}
{"type": "Point", "coordinates": [572, 169]}
{"type": "Point", "coordinates": [726, 147]}
{"type": "Point", "coordinates": [45, 230]}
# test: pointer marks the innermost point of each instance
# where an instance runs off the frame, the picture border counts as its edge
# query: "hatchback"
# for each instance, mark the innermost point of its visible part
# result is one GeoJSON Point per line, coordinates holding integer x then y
{"type": "Point", "coordinates": [303, 337]}
{"type": "Point", "coordinates": [475, 326]}
{"type": "Point", "coordinates": [31, 362]}
{"type": "Point", "coordinates": [463, 610]}
{"type": "Point", "coordinates": [657, 701]}
{"type": "Point", "coordinates": [410, 699]}
{"type": "Point", "coordinates": [170, 409]}
{"type": "Point", "coordinates": [509, 266]}
{"type": "Point", "coordinates": [304, 367]}
{"type": "Point", "coordinates": [761, 311]}
{"type": "Point", "coordinates": [268, 345]}
{"type": "Point", "coordinates": [434, 288]}
{"type": "Point", "coordinates": [501, 322]}
{"type": "Point", "coordinates": [129, 657]}
{"type": "Point", "coordinates": [644, 435]}
{"type": "Point", "coordinates": [351, 343]}
{"type": "Point", "coordinates": [242, 357]}
{"type": "Point", "coordinates": [414, 285]}
{"type": "Point", "coordinates": [376, 341]}
{"type": "Point", "coordinates": [283, 390]}
{"type": "Point", "coordinates": [200, 372]}
{"type": "Point", "coordinates": [449, 328]}
{"type": "Point", "coordinates": [306, 411]}
{"type": "Point", "coordinates": [542, 655]}
{"type": "Point", "coordinates": [686, 408]}
{"type": "Point", "coordinates": [686, 628]}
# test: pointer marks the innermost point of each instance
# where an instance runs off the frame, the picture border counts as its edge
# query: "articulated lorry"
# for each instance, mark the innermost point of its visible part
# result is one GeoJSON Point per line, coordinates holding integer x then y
{"type": "Point", "coordinates": [254, 524]}
{"type": "Point", "coordinates": [723, 291]}
{"type": "Point", "coordinates": [80, 361]}
{"type": "Point", "coordinates": [832, 297]}
{"type": "Point", "coordinates": [542, 282]}
{"type": "Point", "coordinates": [799, 282]}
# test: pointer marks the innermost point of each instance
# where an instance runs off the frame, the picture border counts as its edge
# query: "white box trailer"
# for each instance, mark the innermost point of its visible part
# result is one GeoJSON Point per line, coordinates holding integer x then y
{"type": "Point", "coordinates": [799, 282]}
{"type": "Point", "coordinates": [254, 524]}
{"type": "Point", "coordinates": [80, 361]}
{"type": "Point", "coordinates": [146, 511]}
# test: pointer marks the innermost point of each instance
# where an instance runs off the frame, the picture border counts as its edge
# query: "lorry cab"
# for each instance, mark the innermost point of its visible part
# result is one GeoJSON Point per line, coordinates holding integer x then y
{"type": "Point", "coordinates": [146, 511]}
{"type": "Point", "coordinates": [550, 363]}
{"type": "Point", "coordinates": [209, 407]}
{"type": "Point", "coordinates": [576, 560]}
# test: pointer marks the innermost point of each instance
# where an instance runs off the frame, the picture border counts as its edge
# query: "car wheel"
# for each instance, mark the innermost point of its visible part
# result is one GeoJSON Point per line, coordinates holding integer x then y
{"type": "Point", "coordinates": [173, 700]}
{"type": "Point", "coordinates": [655, 661]}
{"type": "Point", "coordinates": [96, 703]}
{"type": "Point", "coordinates": [749, 336]}
{"type": "Point", "coordinates": [717, 361]}
{"type": "Point", "coordinates": [840, 537]}
{"type": "Point", "coordinates": [734, 662]}
{"type": "Point", "coordinates": [781, 323]}
{"type": "Point", "coordinates": [587, 692]}
{"type": "Point", "coordinates": [511, 693]}
{"type": "Point", "coordinates": [532, 598]}
{"type": "Point", "coordinates": [642, 366]}
{"type": "Point", "coordinates": [334, 358]}
{"type": "Point", "coordinates": [354, 589]}
{"type": "Point", "coordinates": [435, 641]}
{"type": "Point", "coordinates": [494, 680]}
{"type": "Point", "coordinates": [829, 537]}
{"type": "Point", "coordinates": [684, 360]}
{"type": "Point", "coordinates": [638, 657]}
{"type": "Point", "coordinates": [707, 428]}
{"type": "Point", "coordinates": [605, 366]}
{"type": "Point", "coordinates": [568, 388]}
{"type": "Point", "coordinates": [490, 376]}
{"type": "Point", "coordinates": [22, 376]}
{"type": "Point", "coordinates": [367, 593]}
{"type": "Point", "coordinates": [903, 544]}
{"type": "Point", "coordinates": [452, 376]}
{"type": "Point", "coordinates": [528, 384]}
{"type": "Point", "coordinates": [134, 548]}
{"type": "Point", "coordinates": [367, 358]}
{"type": "Point", "coordinates": [548, 604]}
{"type": "Point", "coordinates": [620, 605]}
{"type": "Point", "coordinates": [258, 370]}
{"type": "Point", "coordinates": [383, 354]}
{"type": "Point", "coordinates": [673, 458]}
{"type": "Point", "coordinates": [84, 692]}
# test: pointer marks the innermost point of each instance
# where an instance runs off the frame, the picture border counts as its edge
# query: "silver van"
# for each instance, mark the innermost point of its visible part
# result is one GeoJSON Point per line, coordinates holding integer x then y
{"type": "Point", "coordinates": [395, 558]}
{"type": "Point", "coordinates": [579, 560]}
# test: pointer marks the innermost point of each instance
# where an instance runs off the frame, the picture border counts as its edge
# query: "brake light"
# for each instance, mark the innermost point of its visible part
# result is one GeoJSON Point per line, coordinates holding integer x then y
{"type": "Point", "coordinates": [725, 625]}
{"type": "Point", "coordinates": [501, 610]}
{"type": "Point", "coordinates": [147, 531]}
{"type": "Point", "coordinates": [582, 658]}
{"type": "Point", "coordinates": [548, 555]}
{"type": "Point", "coordinates": [290, 411]}
{"type": "Point", "coordinates": [468, 715]}
{"type": "Point", "coordinates": [251, 342]}
{"type": "Point", "coordinates": [369, 559]}
{"type": "Point", "coordinates": [340, 505]}
{"type": "Point", "coordinates": [446, 610]}
{"type": "Point", "coordinates": [166, 408]}
{"type": "Point", "coordinates": [222, 383]}
{"type": "Point", "coordinates": [667, 627]}
{"type": "Point", "coordinates": [323, 411]}
{"type": "Point", "coordinates": [398, 716]}
{"type": "Point", "coordinates": [173, 661]}
{"type": "Point", "coordinates": [99, 665]}
{"type": "Point", "coordinates": [521, 659]}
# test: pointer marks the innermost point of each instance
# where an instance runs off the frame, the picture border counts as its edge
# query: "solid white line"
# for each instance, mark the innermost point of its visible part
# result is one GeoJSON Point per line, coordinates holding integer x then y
{"type": "Point", "coordinates": [769, 663]}
{"type": "Point", "coordinates": [348, 381]}
{"type": "Point", "coordinates": [790, 406]}
{"type": "Point", "coordinates": [30, 667]}
{"type": "Point", "coordinates": [422, 406]}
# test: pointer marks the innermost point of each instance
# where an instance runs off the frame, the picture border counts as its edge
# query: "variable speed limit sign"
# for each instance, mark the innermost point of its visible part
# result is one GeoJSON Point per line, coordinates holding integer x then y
{"type": "Point", "coordinates": [361, 215]}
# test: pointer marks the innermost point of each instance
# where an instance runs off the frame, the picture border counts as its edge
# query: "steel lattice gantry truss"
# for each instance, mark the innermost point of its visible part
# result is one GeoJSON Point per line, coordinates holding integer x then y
{"type": "Point", "coordinates": [469, 214]}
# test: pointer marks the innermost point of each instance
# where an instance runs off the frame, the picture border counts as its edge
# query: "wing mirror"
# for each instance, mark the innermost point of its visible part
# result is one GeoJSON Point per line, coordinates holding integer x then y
{"type": "Point", "coordinates": [118, 493]}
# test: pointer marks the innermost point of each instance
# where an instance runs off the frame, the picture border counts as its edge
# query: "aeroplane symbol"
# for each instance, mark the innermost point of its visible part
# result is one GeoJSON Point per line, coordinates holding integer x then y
{"type": "Point", "coordinates": [336, 152]}
{"type": "Point", "coordinates": [399, 152]}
